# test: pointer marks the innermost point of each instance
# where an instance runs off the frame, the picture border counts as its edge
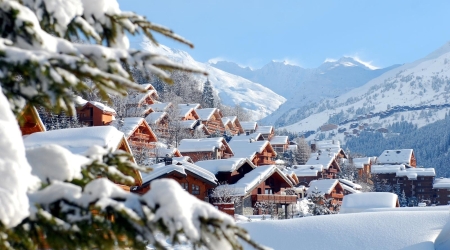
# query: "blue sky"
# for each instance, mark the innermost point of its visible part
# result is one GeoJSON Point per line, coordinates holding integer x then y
{"type": "Point", "coordinates": [305, 33]}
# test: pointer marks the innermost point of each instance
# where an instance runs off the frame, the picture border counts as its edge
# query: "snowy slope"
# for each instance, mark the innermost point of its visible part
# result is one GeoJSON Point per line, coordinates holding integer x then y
{"type": "Point", "coordinates": [302, 86]}
{"type": "Point", "coordinates": [417, 92]}
{"type": "Point", "coordinates": [231, 89]}
{"type": "Point", "coordinates": [412, 230]}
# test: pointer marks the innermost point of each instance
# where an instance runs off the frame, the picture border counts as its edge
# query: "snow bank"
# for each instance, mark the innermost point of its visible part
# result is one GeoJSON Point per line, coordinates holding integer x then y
{"type": "Point", "coordinates": [359, 202]}
{"type": "Point", "coordinates": [412, 230]}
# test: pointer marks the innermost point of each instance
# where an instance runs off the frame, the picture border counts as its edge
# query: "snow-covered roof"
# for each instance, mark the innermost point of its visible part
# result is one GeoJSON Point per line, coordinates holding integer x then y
{"type": "Point", "coordinates": [348, 183]}
{"type": "Point", "coordinates": [160, 106]}
{"type": "Point", "coordinates": [155, 117]}
{"type": "Point", "coordinates": [360, 162]}
{"type": "Point", "coordinates": [244, 137]}
{"type": "Point", "coordinates": [160, 170]}
{"type": "Point", "coordinates": [412, 173]}
{"type": "Point", "coordinates": [349, 189]}
{"type": "Point", "coordinates": [324, 159]}
{"type": "Point", "coordinates": [324, 186]}
{"type": "Point", "coordinates": [279, 140]}
{"type": "Point", "coordinates": [227, 119]}
{"type": "Point", "coordinates": [397, 156]}
{"type": "Point", "coordinates": [329, 146]}
{"type": "Point", "coordinates": [102, 107]}
{"type": "Point", "coordinates": [138, 98]}
{"type": "Point", "coordinates": [264, 129]}
{"type": "Point", "coordinates": [79, 101]}
{"type": "Point", "coordinates": [223, 165]}
{"type": "Point", "coordinates": [358, 202]}
{"type": "Point", "coordinates": [192, 105]}
{"type": "Point", "coordinates": [250, 180]}
{"type": "Point", "coordinates": [202, 145]}
{"type": "Point", "coordinates": [249, 125]}
{"type": "Point", "coordinates": [77, 140]}
{"type": "Point", "coordinates": [443, 183]}
{"type": "Point", "coordinates": [307, 170]}
{"type": "Point", "coordinates": [128, 125]}
{"type": "Point", "coordinates": [148, 86]}
{"type": "Point", "coordinates": [185, 110]}
{"type": "Point", "coordinates": [206, 114]}
{"type": "Point", "coordinates": [386, 169]}
{"type": "Point", "coordinates": [245, 149]}
{"type": "Point", "coordinates": [190, 124]}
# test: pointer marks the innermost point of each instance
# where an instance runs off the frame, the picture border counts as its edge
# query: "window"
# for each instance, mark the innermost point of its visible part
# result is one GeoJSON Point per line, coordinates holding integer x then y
{"type": "Point", "coordinates": [185, 186]}
{"type": "Point", "coordinates": [195, 189]}
{"type": "Point", "coordinates": [419, 184]}
{"type": "Point", "coordinates": [268, 191]}
{"type": "Point", "coordinates": [448, 195]}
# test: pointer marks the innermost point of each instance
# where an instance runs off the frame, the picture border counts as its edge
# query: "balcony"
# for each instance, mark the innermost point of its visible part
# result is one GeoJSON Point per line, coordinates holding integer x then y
{"type": "Point", "coordinates": [265, 162]}
{"type": "Point", "coordinates": [337, 196]}
{"type": "Point", "coordinates": [278, 199]}
{"type": "Point", "coordinates": [141, 136]}
{"type": "Point", "coordinates": [332, 170]}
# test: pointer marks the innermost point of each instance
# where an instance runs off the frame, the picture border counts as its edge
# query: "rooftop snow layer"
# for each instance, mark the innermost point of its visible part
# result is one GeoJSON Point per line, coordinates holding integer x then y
{"type": "Point", "coordinates": [398, 156]}
{"type": "Point", "coordinates": [350, 184]}
{"type": "Point", "coordinates": [103, 107]}
{"type": "Point", "coordinates": [77, 140]}
{"type": "Point", "coordinates": [128, 125]}
{"type": "Point", "coordinates": [206, 114]}
{"type": "Point", "coordinates": [412, 173]}
{"type": "Point", "coordinates": [279, 140]}
{"type": "Point", "coordinates": [443, 183]}
{"type": "Point", "coordinates": [201, 145]}
{"type": "Point", "coordinates": [359, 162]}
{"type": "Point", "coordinates": [223, 165]}
{"type": "Point", "coordinates": [307, 170]}
{"type": "Point", "coordinates": [249, 125]}
{"type": "Point", "coordinates": [264, 129]}
{"type": "Point", "coordinates": [386, 169]}
{"type": "Point", "coordinates": [324, 186]}
{"type": "Point", "coordinates": [154, 117]}
{"type": "Point", "coordinates": [251, 179]}
{"type": "Point", "coordinates": [247, 149]}
{"type": "Point", "coordinates": [324, 159]}
{"type": "Point", "coordinates": [160, 106]}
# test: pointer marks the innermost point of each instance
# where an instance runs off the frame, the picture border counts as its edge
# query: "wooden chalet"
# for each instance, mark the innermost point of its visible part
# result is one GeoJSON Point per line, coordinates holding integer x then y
{"type": "Point", "coordinates": [95, 114]}
{"type": "Point", "coordinates": [159, 121]}
{"type": "Point", "coordinates": [194, 125]}
{"type": "Point", "coordinates": [29, 121]}
{"type": "Point", "coordinates": [205, 149]}
{"type": "Point", "coordinates": [249, 127]}
{"type": "Point", "coordinates": [233, 125]}
{"type": "Point", "coordinates": [397, 156]}
{"type": "Point", "coordinates": [258, 152]}
{"type": "Point", "coordinates": [331, 189]}
{"type": "Point", "coordinates": [328, 161]}
{"type": "Point", "coordinates": [441, 189]}
{"type": "Point", "coordinates": [262, 184]}
{"type": "Point", "coordinates": [140, 99]}
{"type": "Point", "coordinates": [363, 165]}
{"type": "Point", "coordinates": [188, 113]}
{"type": "Point", "coordinates": [350, 187]}
{"type": "Point", "coordinates": [137, 132]}
{"type": "Point", "coordinates": [329, 147]}
{"type": "Point", "coordinates": [307, 173]}
{"type": "Point", "coordinates": [280, 143]}
{"type": "Point", "coordinates": [195, 180]}
{"type": "Point", "coordinates": [227, 171]}
{"type": "Point", "coordinates": [80, 140]}
{"type": "Point", "coordinates": [161, 106]}
{"type": "Point", "coordinates": [212, 119]}
{"type": "Point", "coordinates": [267, 132]}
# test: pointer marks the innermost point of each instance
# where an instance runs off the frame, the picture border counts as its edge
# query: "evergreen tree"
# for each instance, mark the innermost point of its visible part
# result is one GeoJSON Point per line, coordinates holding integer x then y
{"type": "Point", "coordinates": [207, 95]}
{"type": "Point", "coordinates": [402, 199]}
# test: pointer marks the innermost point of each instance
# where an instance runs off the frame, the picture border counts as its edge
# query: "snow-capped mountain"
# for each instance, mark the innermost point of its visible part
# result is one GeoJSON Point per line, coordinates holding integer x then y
{"type": "Point", "coordinates": [417, 92]}
{"type": "Point", "coordinates": [301, 86]}
{"type": "Point", "coordinates": [232, 89]}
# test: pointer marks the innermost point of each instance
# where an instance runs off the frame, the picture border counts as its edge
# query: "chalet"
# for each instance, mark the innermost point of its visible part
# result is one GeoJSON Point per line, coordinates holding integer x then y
{"type": "Point", "coordinates": [441, 188]}
{"type": "Point", "coordinates": [307, 173]}
{"type": "Point", "coordinates": [249, 127]}
{"type": "Point", "coordinates": [29, 121]}
{"type": "Point", "coordinates": [212, 119]}
{"type": "Point", "coordinates": [329, 146]}
{"type": "Point", "coordinates": [266, 131]}
{"type": "Point", "coordinates": [95, 114]}
{"type": "Point", "coordinates": [350, 187]}
{"type": "Point", "coordinates": [159, 121]}
{"type": "Point", "coordinates": [192, 105]}
{"type": "Point", "coordinates": [80, 140]}
{"type": "Point", "coordinates": [331, 189]}
{"type": "Point", "coordinates": [139, 99]}
{"type": "Point", "coordinates": [205, 149]}
{"type": "Point", "coordinates": [258, 152]}
{"type": "Point", "coordinates": [192, 178]}
{"type": "Point", "coordinates": [233, 125]}
{"type": "Point", "coordinates": [328, 161]}
{"type": "Point", "coordinates": [194, 125]}
{"type": "Point", "coordinates": [363, 165]}
{"type": "Point", "coordinates": [161, 106]}
{"type": "Point", "coordinates": [187, 113]}
{"type": "Point", "coordinates": [386, 174]}
{"type": "Point", "coordinates": [360, 202]}
{"type": "Point", "coordinates": [136, 131]}
{"type": "Point", "coordinates": [397, 156]}
{"type": "Point", "coordinates": [227, 170]}
{"type": "Point", "coordinates": [280, 143]}
{"type": "Point", "coordinates": [262, 184]}
{"type": "Point", "coordinates": [249, 137]}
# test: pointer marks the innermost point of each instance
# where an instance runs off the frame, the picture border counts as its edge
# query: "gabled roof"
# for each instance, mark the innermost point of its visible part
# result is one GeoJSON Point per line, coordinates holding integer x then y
{"type": "Point", "coordinates": [186, 110]}
{"type": "Point", "coordinates": [252, 136]}
{"type": "Point", "coordinates": [226, 121]}
{"type": "Point", "coordinates": [350, 184]}
{"type": "Point", "coordinates": [189, 124]}
{"type": "Point", "coordinates": [30, 121]}
{"type": "Point", "coordinates": [182, 167]}
{"type": "Point", "coordinates": [324, 159]}
{"type": "Point", "coordinates": [104, 108]}
{"type": "Point", "coordinates": [128, 125]}
{"type": "Point", "coordinates": [161, 106]}
{"type": "Point", "coordinates": [138, 97]}
{"type": "Point", "coordinates": [192, 105]}
{"type": "Point", "coordinates": [360, 162]}
{"type": "Point", "coordinates": [224, 165]}
{"type": "Point", "coordinates": [206, 114]}
{"type": "Point", "coordinates": [148, 86]}
{"type": "Point", "coordinates": [250, 180]}
{"type": "Point", "coordinates": [386, 169]}
{"type": "Point", "coordinates": [307, 170]}
{"type": "Point", "coordinates": [78, 140]}
{"type": "Point", "coordinates": [397, 156]}
{"type": "Point", "coordinates": [249, 125]}
{"type": "Point", "coordinates": [155, 117]}
{"type": "Point", "coordinates": [324, 186]}
{"type": "Point", "coordinates": [204, 145]}
{"type": "Point", "coordinates": [138, 110]}
{"type": "Point", "coordinates": [279, 140]}
{"type": "Point", "coordinates": [247, 149]}
{"type": "Point", "coordinates": [332, 146]}
{"type": "Point", "coordinates": [264, 129]}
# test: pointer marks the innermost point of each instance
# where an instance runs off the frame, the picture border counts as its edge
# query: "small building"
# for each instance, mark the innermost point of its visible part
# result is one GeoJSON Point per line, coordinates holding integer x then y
{"type": "Point", "coordinates": [441, 188]}
{"type": "Point", "coordinates": [249, 127]}
{"type": "Point", "coordinates": [29, 121]}
{"type": "Point", "coordinates": [330, 188]}
{"type": "Point", "coordinates": [95, 114]}
{"type": "Point", "coordinates": [161, 106]}
{"type": "Point", "coordinates": [280, 143]}
{"type": "Point", "coordinates": [307, 173]}
{"type": "Point", "coordinates": [417, 182]}
{"type": "Point", "coordinates": [363, 165]}
{"type": "Point", "coordinates": [233, 125]}
{"type": "Point", "coordinates": [227, 171]}
{"type": "Point", "coordinates": [192, 178]}
{"type": "Point", "coordinates": [328, 161]}
{"type": "Point", "coordinates": [397, 156]}
{"type": "Point", "coordinates": [267, 132]}
{"type": "Point", "coordinates": [159, 121]}
{"type": "Point", "coordinates": [80, 140]}
{"type": "Point", "coordinates": [258, 152]}
{"type": "Point", "coordinates": [212, 119]}
{"type": "Point", "coordinates": [328, 127]}
{"type": "Point", "coordinates": [350, 187]}
{"type": "Point", "coordinates": [187, 113]}
{"type": "Point", "coordinates": [137, 132]}
{"type": "Point", "coordinates": [205, 149]}
{"type": "Point", "coordinates": [360, 202]}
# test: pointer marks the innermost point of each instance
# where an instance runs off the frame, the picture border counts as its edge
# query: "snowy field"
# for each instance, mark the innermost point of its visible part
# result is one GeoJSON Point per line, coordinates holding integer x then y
{"type": "Point", "coordinates": [401, 229]}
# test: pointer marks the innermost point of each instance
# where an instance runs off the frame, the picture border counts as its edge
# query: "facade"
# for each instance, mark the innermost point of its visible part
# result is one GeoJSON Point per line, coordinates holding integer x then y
{"type": "Point", "coordinates": [328, 161]}
{"type": "Point", "coordinates": [233, 124]}
{"type": "Point", "coordinates": [280, 143]}
{"type": "Point", "coordinates": [29, 121]}
{"type": "Point", "coordinates": [227, 171]}
{"type": "Point", "coordinates": [205, 149]}
{"type": "Point", "coordinates": [397, 156]}
{"type": "Point", "coordinates": [267, 132]}
{"type": "Point", "coordinates": [137, 132]}
{"type": "Point", "coordinates": [95, 114]}
{"type": "Point", "coordinates": [258, 152]}
{"type": "Point", "coordinates": [212, 119]}
{"type": "Point", "coordinates": [441, 189]}
{"type": "Point", "coordinates": [331, 189]}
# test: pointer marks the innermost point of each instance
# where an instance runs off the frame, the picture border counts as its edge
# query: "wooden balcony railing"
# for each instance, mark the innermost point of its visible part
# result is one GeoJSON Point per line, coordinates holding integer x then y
{"type": "Point", "coordinates": [265, 162]}
{"type": "Point", "coordinates": [141, 136]}
{"type": "Point", "coordinates": [337, 196]}
{"type": "Point", "coordinates": [279, 199]}
{"type": "Point", "coordinates": [332, 170]}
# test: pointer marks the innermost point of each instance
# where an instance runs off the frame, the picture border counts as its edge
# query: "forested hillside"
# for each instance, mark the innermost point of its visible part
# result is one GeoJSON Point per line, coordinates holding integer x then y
{"type": "Point", "coordinates": [431, 144]}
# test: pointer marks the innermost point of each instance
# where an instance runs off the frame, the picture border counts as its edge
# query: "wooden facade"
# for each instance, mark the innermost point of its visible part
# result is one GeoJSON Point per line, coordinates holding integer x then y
{"type": "Point", "coordinates": [205, 149]}
{"type": "Point", "coordinates": [265, 157]}
{"type": "Point", "coordinates": [29, 121]}
{"type": "Point", "coordinates": [91, 115]}
{"type": "Point", "coordinates": [142, 136]}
